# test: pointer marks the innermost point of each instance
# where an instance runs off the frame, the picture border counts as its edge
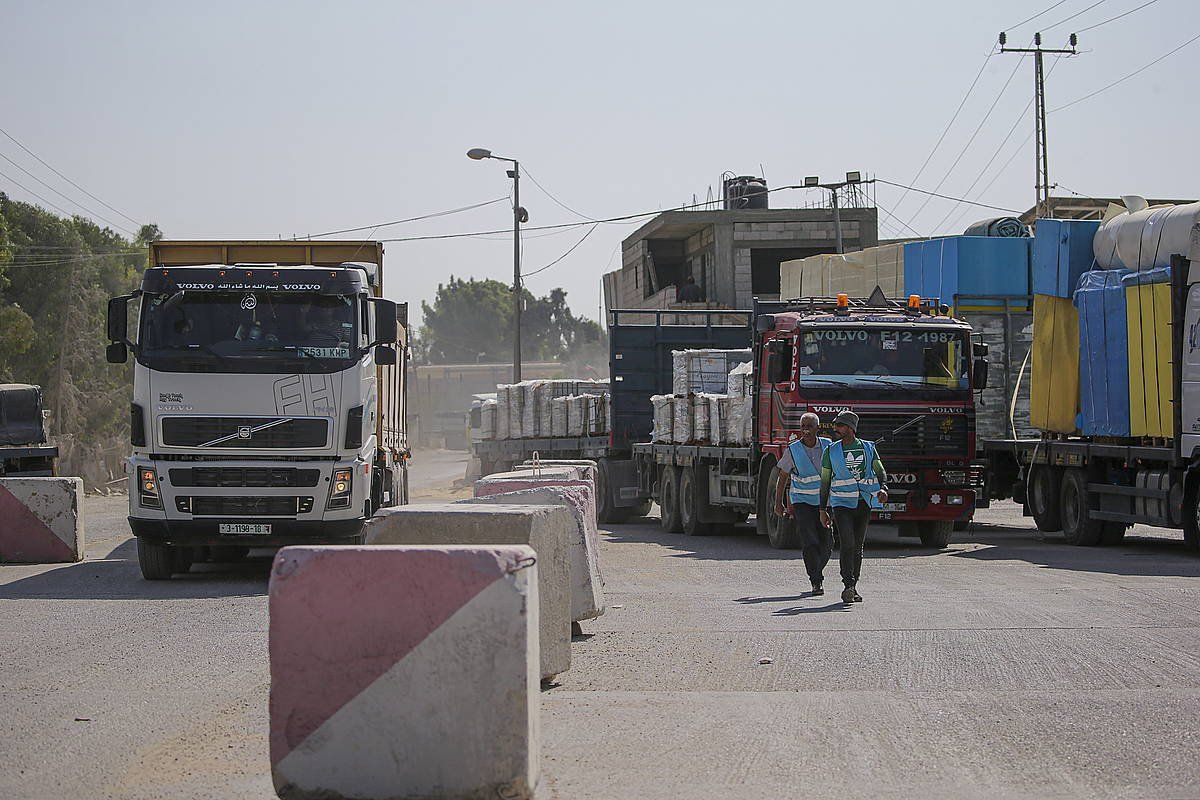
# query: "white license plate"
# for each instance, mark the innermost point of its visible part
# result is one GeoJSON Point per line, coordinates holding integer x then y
{"type": "Point", "coordinates": [892, 507]}
{"type": "Point", "coordinates": [243, 529]}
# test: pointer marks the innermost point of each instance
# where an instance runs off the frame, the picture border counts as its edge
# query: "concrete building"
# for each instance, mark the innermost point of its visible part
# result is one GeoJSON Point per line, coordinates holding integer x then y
{"type": "Point", "coordinates": [733, 255]}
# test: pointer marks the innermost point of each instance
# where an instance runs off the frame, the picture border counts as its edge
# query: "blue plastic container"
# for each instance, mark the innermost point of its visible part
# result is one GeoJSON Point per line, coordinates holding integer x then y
{"type": "Point", "coordinates": [1062, 251]}
{"type": "Point", "coordinates": [1103, 354]}
{"type": "Point", "coordinates": [959, 269]}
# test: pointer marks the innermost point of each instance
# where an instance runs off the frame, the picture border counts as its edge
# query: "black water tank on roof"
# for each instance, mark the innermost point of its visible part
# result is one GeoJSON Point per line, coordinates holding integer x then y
{"type": "Point", "coordinates": [745, 192]}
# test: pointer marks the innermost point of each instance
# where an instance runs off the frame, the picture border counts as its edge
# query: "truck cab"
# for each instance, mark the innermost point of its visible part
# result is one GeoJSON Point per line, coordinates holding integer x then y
{"type": "Point", "coordinates": [907, 370]}
{"type": "Point", "coordinates": [268, 397]}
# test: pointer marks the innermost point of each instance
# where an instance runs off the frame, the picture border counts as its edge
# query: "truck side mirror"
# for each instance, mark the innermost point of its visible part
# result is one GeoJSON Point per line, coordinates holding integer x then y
{"type": "Point", "coordinates": [118, 319]}
{"type": "Point", "coordinates": [116, 353]}
{"type": "Point", "coordinates": [384, 356]}
{"type": "Point", "coordinates": [980, 374]}
{"type": "Point", "coordinates": [779, 363]}
{"type": "Point", "coordinates": [386, 329]}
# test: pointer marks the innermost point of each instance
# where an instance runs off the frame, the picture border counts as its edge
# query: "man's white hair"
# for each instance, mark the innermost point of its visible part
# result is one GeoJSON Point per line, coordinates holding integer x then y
{"type": "Point", "coordinates": [810, 415]}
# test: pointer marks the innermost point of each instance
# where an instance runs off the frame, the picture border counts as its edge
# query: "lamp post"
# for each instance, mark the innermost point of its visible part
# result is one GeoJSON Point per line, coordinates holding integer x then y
{"type": "Point", "coordinates": [519, 216]}
{"type": "Point", "coordinates": [814, 182]}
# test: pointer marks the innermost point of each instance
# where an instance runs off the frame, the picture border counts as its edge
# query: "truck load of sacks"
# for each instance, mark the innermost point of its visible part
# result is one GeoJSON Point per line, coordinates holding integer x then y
{"type": "Point", "coordinates": [1103, 321]}
{"type": "Point", "coordinates": [539, 409]}
{"type": "Point", "coordinates": [711, 399]}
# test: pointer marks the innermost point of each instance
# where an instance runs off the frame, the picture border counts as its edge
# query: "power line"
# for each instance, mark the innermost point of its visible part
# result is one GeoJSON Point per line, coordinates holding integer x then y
{"type": "Point", "coordinates": [65, 178]}
{"type": "Point", "coordinates": [546, 192]}
{"type": "Point", "coordinates": [60, 209]}
{"type": "Point", "coordinates": [86, 210]}
{"type": "Point", "coordinates": [1035, 16]}
{"type": "Point", "coordinates": [1073, 16]}
{"type": "Point", "coordinates": [974, 134]}
{"type": "Point", "coordinates": [1127, 77]}
{"type": "Point", "coordinates": [949, 124]}
{"type": "Point", "coordinates": [564, 255]}
{"type": "Point", "coordinates": [894, 217]}
{"type": "Point", "coordinates": [1001, 171]}
{"type": "Point", "coordinates": [432, 215]}
{"type": "Point", "coordinates": [944, 196]}
{"type": "Point", "coordinates": [1117, 17]}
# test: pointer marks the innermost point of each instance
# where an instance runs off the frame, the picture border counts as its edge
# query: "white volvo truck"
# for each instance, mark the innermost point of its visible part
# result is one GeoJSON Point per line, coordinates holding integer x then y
{"type": "Point", "coordinates": [269, 397]}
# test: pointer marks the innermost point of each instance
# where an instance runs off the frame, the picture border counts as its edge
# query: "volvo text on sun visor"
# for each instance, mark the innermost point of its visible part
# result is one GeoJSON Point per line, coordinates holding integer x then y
{"type": "Point", "coordinates": [265, 279]}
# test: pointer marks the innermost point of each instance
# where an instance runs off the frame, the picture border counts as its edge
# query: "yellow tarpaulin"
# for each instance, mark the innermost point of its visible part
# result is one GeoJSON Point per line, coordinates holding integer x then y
{"type": "Point", "coordinates": [857, 274]}
{"type": "Point", "coordinates": [1148, 315]}
{"type": "Point", "coordinates": [1054, 390]}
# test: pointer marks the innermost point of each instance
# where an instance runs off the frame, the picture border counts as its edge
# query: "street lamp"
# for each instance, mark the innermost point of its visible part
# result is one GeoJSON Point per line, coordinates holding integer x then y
{"type": "Point", "coordinates": [852, 178]}
{"type": "Point", "coordinates": [519, 216]}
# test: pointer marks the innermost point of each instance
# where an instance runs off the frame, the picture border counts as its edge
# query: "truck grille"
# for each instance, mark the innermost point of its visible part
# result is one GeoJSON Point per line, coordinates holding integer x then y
{"type": "Point", "coordinates": [245, 432]}
{"type": "Point", "coordinates": [933, 435]}
{"type": "Point", "coordinates": [276, 477]}
{"type": "Point", "coordinates": [245, 506]}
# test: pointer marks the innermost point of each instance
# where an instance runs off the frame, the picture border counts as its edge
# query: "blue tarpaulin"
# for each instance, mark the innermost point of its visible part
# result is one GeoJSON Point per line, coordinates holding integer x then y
{"type": "Point", "coordinates": [959, 269]}
{"type": "Point", "coordinates": [1103, 354]}
{"type": "Point", "coordinates": [1062, 251]}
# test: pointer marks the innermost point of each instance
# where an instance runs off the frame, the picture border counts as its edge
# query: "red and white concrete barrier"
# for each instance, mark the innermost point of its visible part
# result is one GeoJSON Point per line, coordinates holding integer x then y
{"type": "Point", "coordinates": [587, 582]}
{"type": "Point", "coordinates": [404, 672]}
{"type": "Point", "coordinates": [41, 520]}
{"type": "Point", "coordinates": [547, 529]}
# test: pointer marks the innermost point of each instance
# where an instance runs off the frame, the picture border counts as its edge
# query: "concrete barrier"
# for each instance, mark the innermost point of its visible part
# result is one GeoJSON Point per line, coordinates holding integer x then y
{"type": "Point", "coordinates": [41, 520]}
{"type": "Point", "coordinates": [587, 582]}
{"type": "Point", "coordinates": [404, 672]}
{"type": "Point", "coordinates": [546, 529]}
{"type": "Point", "coordinates": [586, 467]}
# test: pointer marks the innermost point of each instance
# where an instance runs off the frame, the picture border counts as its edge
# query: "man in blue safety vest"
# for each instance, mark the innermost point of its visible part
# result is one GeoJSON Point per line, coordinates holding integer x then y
{"type": "Point", "coordinates": [852, 485]}
{"type": "Point", "coordinates": [801, 462]}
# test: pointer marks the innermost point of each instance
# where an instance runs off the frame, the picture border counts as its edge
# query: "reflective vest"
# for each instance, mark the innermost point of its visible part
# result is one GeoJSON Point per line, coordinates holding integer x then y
{"type": "Point", "coordinates": [806, 479]}
{"type": "Point", "coordinates": [844, 489]}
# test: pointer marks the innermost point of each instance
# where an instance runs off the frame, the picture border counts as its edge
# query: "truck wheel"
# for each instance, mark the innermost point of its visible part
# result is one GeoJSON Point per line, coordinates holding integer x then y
{"type": "Point", "coordinates": [1044, 497]}
{"type": "Point", "coordinates": [935, 533]}
{"type": "Point", "coordinates": [693, 500]}
{"type": "Point", "coordinates": [157, 561]}
{"type": "Point", "coordinates": [765, 498]}
{"type": "Point", "coordinates": [1191, 515]}
{"type": "Point", "coordinates": [606, 510]}
{"type": "Point", "coordinates": [1075, 501]}
{"type": "Point", "coordinates": [668, 501]}
{"type": "Point", "coordinates": [781, 531]}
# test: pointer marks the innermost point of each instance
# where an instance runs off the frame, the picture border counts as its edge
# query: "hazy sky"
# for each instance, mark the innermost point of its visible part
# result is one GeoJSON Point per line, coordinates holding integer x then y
{"type": "Point", "coordinates": [238, 120]}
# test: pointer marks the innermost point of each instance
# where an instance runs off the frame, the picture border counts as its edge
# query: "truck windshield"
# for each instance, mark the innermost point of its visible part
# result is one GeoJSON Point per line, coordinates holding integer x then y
{"type": "Point", "coordinates": [248, 332]}
{"type": "Point", "coordinates": [880, 357]}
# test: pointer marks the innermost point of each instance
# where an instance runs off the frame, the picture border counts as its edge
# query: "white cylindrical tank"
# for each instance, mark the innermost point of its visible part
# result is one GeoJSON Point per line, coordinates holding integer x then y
{"type": "Point", "coordinates": [1144, 237]}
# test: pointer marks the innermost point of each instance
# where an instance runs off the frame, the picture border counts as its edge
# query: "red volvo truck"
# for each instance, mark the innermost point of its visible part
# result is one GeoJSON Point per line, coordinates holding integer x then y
{"type": "Point", "coordinates": [908, 370]}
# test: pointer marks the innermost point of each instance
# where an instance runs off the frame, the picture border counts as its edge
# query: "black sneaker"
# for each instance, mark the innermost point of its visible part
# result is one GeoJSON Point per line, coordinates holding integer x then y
{"type": "Point", "coordinates": [817, 589]}
{"type": "Point", "coordinates": [857, 596]}
{"type": "Point", "coordinates": [848, 595]}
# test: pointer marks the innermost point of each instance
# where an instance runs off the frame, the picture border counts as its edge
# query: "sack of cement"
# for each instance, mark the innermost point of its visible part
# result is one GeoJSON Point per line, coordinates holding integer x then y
{"type": "Point", "coordinates": [558, 416]}
{"type": "Point", "coordinates": [529, 415]}
{"type": "Point", "coordinates": [576, 415]}
{"type": "Point", "coordinates": [681, 425]}
{"type": "Point", "coordinates": [664, 417]}
{"type": "Point", "coordinates": [696, 371]}
{"type": "Point", "coordinates": [720, 407]}
{"type": "Point", "coordinates": [502, 414]}
{"type": "Point", "coordinates": [741, 380]}
{"type": "Point", "coordinates": [545, 421]}
{"type": "Point", "coordinates": [741, 421]}
{"type": "Point", "coordinates": [487, 419]}
{"type": "Point", "coordinates": [700, 417]}
{"type": "Point", "coordinates": [516, 400]}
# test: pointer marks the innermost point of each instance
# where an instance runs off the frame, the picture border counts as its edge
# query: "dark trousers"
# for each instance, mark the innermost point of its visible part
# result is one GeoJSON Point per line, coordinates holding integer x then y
{"type": "Point", "coordinates": [851, 524]}
{"type": "Point", "coordinates": [816, 541]}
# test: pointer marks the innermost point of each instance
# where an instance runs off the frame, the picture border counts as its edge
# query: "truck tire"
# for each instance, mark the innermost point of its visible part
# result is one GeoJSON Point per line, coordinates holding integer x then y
{"type": "Point", "coordinates": [1045, 497]}
{"type": "Point", "coordinates": [668, 500]}
{"type": "Point", "coordinates": [606, 510]}
{"type": "Point", "coordinates": [1075, 502]}
{"type": "Point", "coordinates": [158, 562]}
{"type": "Point", "coordinates": [781, 531]}
{"type": "Point", "coordinates": [935, 533]}
{"type": "Point", "coordinates": [762, 512]}
{"type": "Point", "coordinates": [693, 502]}
{"type": "Point", "coordinates": [1191, 514]}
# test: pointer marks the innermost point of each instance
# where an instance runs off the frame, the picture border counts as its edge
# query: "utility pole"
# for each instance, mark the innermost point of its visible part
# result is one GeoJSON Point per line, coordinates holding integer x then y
{"type": "Point", "coordinates": [515, 174]}
{"type": "Point", "coordinates": [1041, 160]}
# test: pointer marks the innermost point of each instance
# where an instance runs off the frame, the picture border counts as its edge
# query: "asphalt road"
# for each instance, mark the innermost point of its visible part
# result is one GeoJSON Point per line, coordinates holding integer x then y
{"type": "Point", "coordinates": [1005, 666]}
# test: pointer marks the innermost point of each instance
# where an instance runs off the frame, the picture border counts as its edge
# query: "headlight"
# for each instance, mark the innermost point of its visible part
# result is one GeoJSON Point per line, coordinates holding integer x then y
{"type": "Point", "coordinates": [148, 488]}
{"type": "Point", "coordinates": [340, 490]}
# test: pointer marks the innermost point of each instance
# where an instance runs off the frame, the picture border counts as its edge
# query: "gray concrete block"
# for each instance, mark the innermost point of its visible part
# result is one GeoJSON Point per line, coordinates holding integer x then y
{"type": "Point", "coordinates": [40, 520]}
{"type": "Point", "coordinates": [547, 529]}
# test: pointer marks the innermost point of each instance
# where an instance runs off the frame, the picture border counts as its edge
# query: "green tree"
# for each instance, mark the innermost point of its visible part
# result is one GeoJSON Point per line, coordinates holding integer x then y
{"type": "Point", "coordinates": [470, 321]}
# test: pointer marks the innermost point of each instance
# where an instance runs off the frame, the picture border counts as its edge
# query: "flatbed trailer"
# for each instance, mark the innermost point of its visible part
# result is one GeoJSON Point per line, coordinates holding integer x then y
{"type": "Point", "coordinates": [1092, 488]}
{"type": "Point", "coordinates": [28, 461]}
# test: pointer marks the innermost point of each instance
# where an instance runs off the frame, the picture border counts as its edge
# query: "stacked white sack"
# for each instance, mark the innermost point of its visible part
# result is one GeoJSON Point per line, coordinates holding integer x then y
{"type": "Point", "coordinates": [558, 416]}
{"type": "Point", "coordinates": [700, 417]}
{"type": "Point", "coordinates": [664, 417]}
{"type": "Point", "coordinates": [681, 425]}
{"type": "Point", "coordinates": [487, 419]}
{"type": "Point", "coordinates": [502, 413]}
{"type": "Point", "coordinates": [576, 415]}
{"type": "Point", "coordinates": [741, 380]}
{"type": "Point", "coordinates": [529, 416]}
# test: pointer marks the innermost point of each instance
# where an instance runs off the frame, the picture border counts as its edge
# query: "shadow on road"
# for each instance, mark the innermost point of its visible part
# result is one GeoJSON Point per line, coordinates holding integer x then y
{"type": "Point", "coordinates": [117, 577]}
{"type": "Point", "coordinates": [1136, 555]}
{"type": "Point", "coordinates": [797, 610]}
